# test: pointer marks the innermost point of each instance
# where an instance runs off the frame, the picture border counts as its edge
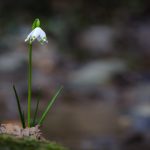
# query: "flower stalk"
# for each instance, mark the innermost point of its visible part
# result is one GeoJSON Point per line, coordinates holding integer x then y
{"type": "Point", "coordinates": [29, 83]}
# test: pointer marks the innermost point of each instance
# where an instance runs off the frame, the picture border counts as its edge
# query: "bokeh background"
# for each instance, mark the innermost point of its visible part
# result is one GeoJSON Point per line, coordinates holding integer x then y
{"type": "Point", "coordinates": [99, 50]}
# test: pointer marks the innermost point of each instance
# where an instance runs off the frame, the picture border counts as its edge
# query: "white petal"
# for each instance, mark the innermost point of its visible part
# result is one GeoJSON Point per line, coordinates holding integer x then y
{"type": "Point", "coordinates": [43, 36]}
{"type": "Point", "coordinates": [38, 34]}
{"type": "Point", "coordinates": [39, 38]}
{"type": "Point", "coordinates": [29, 36]}
{"type": "Point", "coordinates": [42, 41]}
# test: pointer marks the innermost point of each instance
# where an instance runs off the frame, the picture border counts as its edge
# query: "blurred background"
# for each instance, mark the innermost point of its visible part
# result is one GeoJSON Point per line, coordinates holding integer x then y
{"type": "Point", "coordinates": [99, 50]}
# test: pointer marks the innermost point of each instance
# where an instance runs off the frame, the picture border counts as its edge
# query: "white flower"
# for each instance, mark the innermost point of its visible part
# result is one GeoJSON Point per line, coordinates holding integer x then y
{"type": "Point", "coordinates": [38, 34]}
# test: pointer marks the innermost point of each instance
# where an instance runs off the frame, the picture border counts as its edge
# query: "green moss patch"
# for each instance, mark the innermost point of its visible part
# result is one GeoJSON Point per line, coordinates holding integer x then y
{"type": "Point", "coordinates": [8, 142]}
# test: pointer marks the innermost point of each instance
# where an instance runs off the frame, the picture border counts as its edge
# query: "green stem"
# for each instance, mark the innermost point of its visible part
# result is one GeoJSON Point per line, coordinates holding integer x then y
{"type": "Point", "coordinates": [29, 83]}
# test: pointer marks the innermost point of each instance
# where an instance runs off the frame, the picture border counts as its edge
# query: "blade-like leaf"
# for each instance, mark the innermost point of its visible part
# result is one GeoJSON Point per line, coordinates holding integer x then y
{"type": "Point", "coordinates": [21, 114]}
{"type": "Point", "coordinates": [49, 106]}
{"type": "Point", "coordinates": [36, 110]}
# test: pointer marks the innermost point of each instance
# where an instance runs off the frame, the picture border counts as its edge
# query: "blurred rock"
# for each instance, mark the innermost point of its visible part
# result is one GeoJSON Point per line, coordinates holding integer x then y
{"type": "Point", "coordinates": [97, 39]}
{"type": "Point", "coordinates": [142, 34]}
{"type": "Point", "coordinates": [11, 61]}
{"type": "Point", "coordinates": [102, 143]}
{"type": "Point", "coordinates": [98, 72]}
{"type": "Point", "coordinates": [140, 93]}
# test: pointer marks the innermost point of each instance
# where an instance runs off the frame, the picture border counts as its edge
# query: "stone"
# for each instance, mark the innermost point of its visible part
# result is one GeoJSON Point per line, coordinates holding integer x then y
{"type": "Point", "coordinates": [33, 132]}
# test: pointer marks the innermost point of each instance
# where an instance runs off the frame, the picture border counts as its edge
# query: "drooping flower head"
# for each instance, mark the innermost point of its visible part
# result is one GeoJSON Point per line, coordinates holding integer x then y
{"type": "Point", "coordinates": [37, 33]}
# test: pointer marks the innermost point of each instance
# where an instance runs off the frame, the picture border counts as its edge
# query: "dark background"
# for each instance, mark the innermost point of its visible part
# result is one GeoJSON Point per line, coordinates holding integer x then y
{"type": "Point", "coordinates": [99, 50]}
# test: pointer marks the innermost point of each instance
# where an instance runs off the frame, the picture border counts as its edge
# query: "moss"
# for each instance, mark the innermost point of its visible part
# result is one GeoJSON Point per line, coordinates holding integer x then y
{"type": "Point", "coordinates": [8, 142]}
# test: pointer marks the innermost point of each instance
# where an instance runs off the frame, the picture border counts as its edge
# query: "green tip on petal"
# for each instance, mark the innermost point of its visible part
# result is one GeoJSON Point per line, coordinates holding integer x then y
{"type": "Point", "coordinates": [36, 23]}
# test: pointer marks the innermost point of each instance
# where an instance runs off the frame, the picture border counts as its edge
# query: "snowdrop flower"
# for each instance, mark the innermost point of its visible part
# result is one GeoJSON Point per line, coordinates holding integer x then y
{"type": "Point", "coordinates": [38, 34]}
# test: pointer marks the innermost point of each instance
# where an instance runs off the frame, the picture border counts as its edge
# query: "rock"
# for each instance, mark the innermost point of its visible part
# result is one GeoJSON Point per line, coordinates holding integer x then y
{"type": "Point", "coordinates": [97, 39]}
{"type": "Point", "coordinates": [11, 61]}
{"type": "Point", "coordinates": [15, 130]}
{"type": "Point", "coordinates": [97, 72]}
{"type": "Point", "coordinates": [142, 34]}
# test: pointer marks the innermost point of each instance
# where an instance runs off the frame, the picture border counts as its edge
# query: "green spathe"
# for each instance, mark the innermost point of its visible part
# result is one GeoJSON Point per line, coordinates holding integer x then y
{"type": "Point", "coordinates": [36, 23]}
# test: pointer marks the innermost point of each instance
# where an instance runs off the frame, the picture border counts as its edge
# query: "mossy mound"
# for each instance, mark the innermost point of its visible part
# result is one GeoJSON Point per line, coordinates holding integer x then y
{"type": "Point", "coordinates": [8, 142]}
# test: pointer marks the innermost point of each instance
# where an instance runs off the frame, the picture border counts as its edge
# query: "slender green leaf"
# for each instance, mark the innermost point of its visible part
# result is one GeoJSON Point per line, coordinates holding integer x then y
{"type": "Point", "coordinates": [19, 107]}
{"type": "Point", "coordinates": [35, 113]}
{"type": "Point", "coordinates": [49, 106]}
